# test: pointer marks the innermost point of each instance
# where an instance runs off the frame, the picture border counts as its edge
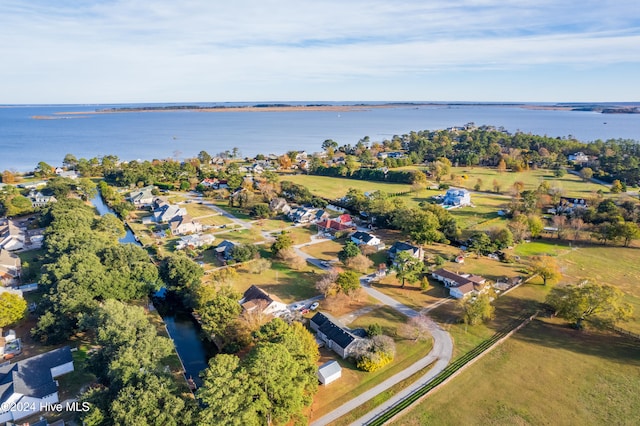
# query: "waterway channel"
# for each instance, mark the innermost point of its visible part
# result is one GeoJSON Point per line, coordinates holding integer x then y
{"type": "Point", "coordinates": [182, 328]}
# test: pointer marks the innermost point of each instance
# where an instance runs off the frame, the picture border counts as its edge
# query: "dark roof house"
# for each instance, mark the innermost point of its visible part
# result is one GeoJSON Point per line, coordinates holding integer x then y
{"type": "Point", "coordinates": [335, 337]}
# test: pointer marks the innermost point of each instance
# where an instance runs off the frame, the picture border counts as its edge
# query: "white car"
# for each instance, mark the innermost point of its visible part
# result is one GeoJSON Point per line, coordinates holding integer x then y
{"type": "Point", "coordinates": [297, 307]}
{"type": "Point", "coordinates": [314, 306]}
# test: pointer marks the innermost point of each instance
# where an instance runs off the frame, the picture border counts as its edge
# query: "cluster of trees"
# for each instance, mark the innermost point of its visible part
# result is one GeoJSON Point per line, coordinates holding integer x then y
{"type": "Point", "coordinates": [116, 200]}
{"type": "Point", "coordinates": [273, 383]}
{"type": "Point", "coordinates": [369, 174]}
{"type": "Point", "coordinates": [129, 366]}
{"type": "Point", "coordinates": [427, 224]}
{"type": "Point", "coordinates": [374, 352]}
{"type": "Point", "coordinates": [85, 265]}
{"type": "Point", "coordinates": [300, 194]}
{"type": "Point", "coordinates": [12, 308]}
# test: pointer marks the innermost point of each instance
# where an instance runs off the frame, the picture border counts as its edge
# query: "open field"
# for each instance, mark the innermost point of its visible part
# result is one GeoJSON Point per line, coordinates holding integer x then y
{"type": "Point", "coordinates": [331, 187]}
{"type": "Point", "coordinates": [327, 250]}
{"type": "Point", "coordinates": [545, 374]}
{"type": "Point", "coordinates": [355, 382]}
{"type": "Point", "coordinates": [214, 220]}
{"type": "Point", "coordinates": [237, 212]}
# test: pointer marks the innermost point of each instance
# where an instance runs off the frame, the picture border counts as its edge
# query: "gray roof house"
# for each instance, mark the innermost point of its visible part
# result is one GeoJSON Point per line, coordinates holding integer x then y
{"type": "Point", "coordinates": [366, 238]}
{"type": "Point", "coordinates": [337, 338]}
{"type": "Point", "coordinates": [142, 197]}
{"type": "Point", "coordinates": [28, 385]}
{"type": "Point", "coordinates": [165, 212]}
{"type": "Point", "coordinates": [224, 249]}
{"type": "Point", "coordinates": [400, 246]}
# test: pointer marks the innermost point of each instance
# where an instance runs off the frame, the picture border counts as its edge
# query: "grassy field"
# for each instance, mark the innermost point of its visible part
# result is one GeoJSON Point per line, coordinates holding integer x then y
{"type": "Point", "coordinates": [355, 382]}
{"type": "Point", "coordinates": [545, 374]}
{"type": "Point", "coordinates": [327, 250]}
{"type": "Point", "coordinates": [331, 187]}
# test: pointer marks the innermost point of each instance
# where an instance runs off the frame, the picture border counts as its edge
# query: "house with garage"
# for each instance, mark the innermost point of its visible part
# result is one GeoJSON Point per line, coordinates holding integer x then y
{"type": "Point", "coordinates": [457, 197]}
{"type": "Point", "coordinates": [336, 337]}
{"type": "Point", "coordinates": [361, 237]}
{"type": "Point", "coordinates": [29, 384]}
{"type": "Point", "coordinates": [302, 214]}
{"type": "Point", "coordinates": [164, 212]}
{"type": "Point", "coordinates": [142, 197]}
{"type": "Point", "coordinates": [399, 247]}
{"type": "Point", "coordinates": [181, 225]}
{"type": "Point", "coordinates": [460, 285]}
{"type": "Point", "coordinates": [195, 241]}
{"type": "Point", "coordinates": [329, 372]}
{"type": "Point", "coordinates": [256, 298]}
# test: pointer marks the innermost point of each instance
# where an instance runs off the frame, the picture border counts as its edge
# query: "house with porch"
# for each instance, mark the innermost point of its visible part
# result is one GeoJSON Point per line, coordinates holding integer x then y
{"type": "Point", "coordinates": [10, 268]}
{"type": "Point", "coordinates": [28, 385]}
{"type": "Point", "coordinates": [165, 212]}
{"type": "Point", "coordinates": [12, 235]}
{"type": "Point", "coordinates": [361, 237]}
{"type": "Point", "coordinates": [38, 199]}
{"type": "Point", "coordinates": [457, 197]}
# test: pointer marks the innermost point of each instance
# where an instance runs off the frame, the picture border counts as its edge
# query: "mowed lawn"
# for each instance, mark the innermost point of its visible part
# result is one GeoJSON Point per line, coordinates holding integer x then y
{"type": "Point", "coordinates": [331, 187]}
{"type": "Point", "coordinates": [546, 373]}
{"type": "Point", "coordinates": [572, 185]}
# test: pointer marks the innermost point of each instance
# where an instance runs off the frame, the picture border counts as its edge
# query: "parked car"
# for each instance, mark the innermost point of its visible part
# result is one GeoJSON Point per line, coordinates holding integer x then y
{"type": "Point", "coordinates": [314, 306]}
{"type": "Point", "coordinates": [297, 307]}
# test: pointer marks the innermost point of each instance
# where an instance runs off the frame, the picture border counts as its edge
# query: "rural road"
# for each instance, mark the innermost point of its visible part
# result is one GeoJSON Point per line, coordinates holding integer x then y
{"type": "Point", "coordinates": [440, 354]}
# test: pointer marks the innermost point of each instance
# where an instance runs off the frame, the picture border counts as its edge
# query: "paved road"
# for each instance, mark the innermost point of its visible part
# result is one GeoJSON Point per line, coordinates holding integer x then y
{"type": "Point", "coordinates": [440, 355]}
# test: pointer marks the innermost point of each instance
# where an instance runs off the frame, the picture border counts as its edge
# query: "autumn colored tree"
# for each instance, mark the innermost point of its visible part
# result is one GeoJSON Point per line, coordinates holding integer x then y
{"type": "Point", "coordinates": [547, 268]}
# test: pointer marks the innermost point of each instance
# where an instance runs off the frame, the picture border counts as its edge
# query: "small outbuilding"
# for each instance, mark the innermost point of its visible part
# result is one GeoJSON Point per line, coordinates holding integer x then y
{"type": "Point", "coordinates": [329, 372]}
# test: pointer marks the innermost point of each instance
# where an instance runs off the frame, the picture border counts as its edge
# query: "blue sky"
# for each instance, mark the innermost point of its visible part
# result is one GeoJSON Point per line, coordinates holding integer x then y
{"type": "Point", "coordinates": [114, 51]}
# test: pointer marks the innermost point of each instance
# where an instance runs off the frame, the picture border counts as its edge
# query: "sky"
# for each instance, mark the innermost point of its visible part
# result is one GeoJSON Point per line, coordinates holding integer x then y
{"type": "Point", "coordinates": [120, 51]}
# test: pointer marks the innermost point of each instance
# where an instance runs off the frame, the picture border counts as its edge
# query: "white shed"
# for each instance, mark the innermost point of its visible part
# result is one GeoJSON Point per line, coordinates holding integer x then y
{"type": "Point", "coordinates": [329, 372]}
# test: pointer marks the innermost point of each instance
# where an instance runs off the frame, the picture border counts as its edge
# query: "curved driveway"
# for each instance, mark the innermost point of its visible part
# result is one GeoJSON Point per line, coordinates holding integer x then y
{"type": "Point", "coordinates": [440, 354]}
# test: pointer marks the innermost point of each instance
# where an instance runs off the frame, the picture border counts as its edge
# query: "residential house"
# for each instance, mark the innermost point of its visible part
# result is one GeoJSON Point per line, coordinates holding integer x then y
{"type": "Point", "coordinates": [331, 226]}
{"type": "Point", "coordinates": [319, 215]}
{"type": "Point", "coordinates": [165, 212]}
{"type": "Point", "coordinates": [29, 385]}
{"type": "Point", "coordinates": [195, 241]}
{"type": "Point", "coordinates": [40, 200]}
{"type": "Point", "coordinates": [329, 372]}
{"type": "Point", "coordinates": [578, 157]}
{"type": "Point", "coordinates": [460, 285]}
{"type": "Point", "coordinates": [70, 174]}
{"type": "Point", "coordinates": [32, 185]}
{"type": "Point", "coordinates": [181, 225]}
{"type": "Point", "coordinates": [365, 238]}
{"type": "Point", "coordinates": [457, 197]}
{"type": "Point", "coordinates": [335, 337]}
{"type": "Point", "coordinates": [345, 219]}
{"type": "Point", "coordinates": [224, 250]}
{"type": "Point", "coordinates": [279, 205]}
{"type": "Point", "coordinates": [302, 214]}
{"type": "Point", "coordinates": [10, 268]}
{"type": "Point", "coordinates": [256, 298]}
{"type": "Point", "coordinates": [399, 247]}
{"type": "Point", "coordinates": [209, 182]}
{"type": "Point", "coordinates": [142, 197]}
{"type": "Point", "coordinates": [12, 236]}
{"type": "Point", "coordinates": [567, 205]}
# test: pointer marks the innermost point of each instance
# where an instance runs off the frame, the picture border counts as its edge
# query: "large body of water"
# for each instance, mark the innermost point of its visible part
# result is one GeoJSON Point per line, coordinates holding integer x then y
{"type": "Point", "coordinates": [25, 141]}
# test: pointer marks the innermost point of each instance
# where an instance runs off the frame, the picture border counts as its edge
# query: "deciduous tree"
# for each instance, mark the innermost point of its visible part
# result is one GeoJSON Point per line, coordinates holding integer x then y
{"type": "Point", "coordinates": [598, 304]}
{"type": "Point", "coordinates": [407, 268]}
{"type": "Point", "coordinates": [12, 308]}
{"type": "Point", "coordinates": [547, 268]}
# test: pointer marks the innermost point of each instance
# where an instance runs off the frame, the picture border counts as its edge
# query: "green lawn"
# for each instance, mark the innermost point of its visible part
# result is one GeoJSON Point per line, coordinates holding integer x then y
{"type": "Point", "coordinates": [545, 374]}
{"type": "Point", "coordinates": [331, 187]}
{"type": "Point", "coordinates": [216, 220]}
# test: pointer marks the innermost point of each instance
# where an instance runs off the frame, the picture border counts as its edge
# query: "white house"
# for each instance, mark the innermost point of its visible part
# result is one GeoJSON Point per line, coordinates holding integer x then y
{"type": "Point", "coordinates": [142, 197]}
{"type": "Point", "coordinates": [457, 197]}
{"type": "Point", "coordinates": [578, 157]}
{"type": "Point", "coordinates": [12, 237]}
{"type": "Point", "coordinates": [164, 212]}
{"type": "Point", "coordinates": [256, 298]}
{"type": "Point", "coordinates": [365, 238]}
{"type": "Point", "coordinates": [181, 225]}
{"type": "Point", "coordinates": [329, 372]}
{"type": "Point", "coordinates": [28, 385]}
{"type": "Point", "coordinates": [195, 240]}
{"type": "Point", "coordinates": [40, 200]}
{"type": "Point", "coordinates": [336, 338]}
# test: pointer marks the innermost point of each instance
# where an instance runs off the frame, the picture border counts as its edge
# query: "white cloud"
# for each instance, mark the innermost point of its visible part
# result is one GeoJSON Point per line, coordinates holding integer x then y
{"type": "Point", "coordinates": [134, 48]}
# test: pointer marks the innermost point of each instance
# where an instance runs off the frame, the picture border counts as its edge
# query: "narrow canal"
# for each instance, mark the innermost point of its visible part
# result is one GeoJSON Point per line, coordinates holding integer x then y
{"type": "Point", "coordinates": [182, 328]}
